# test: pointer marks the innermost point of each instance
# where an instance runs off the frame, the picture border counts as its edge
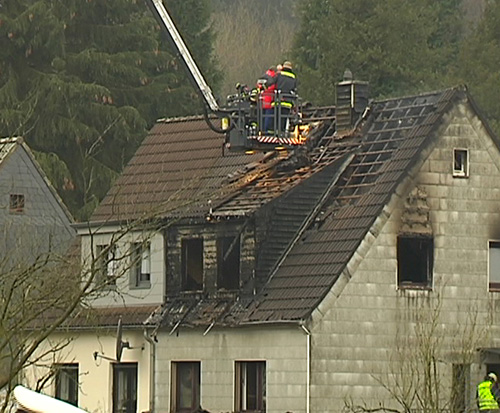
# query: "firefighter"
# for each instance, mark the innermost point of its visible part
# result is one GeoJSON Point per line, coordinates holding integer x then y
{"type": "Point", "coordinates": [286, 87]}
{"type": "Point", "coordinates": [267, 89]}
{"type": "Point", "coordinates": [488, 394]}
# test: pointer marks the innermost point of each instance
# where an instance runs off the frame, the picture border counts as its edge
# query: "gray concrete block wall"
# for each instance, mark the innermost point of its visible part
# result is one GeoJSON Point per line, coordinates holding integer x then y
{"type": "Point", "coordinates": [354, 335]}
{"type": "Point", "coordinates": [284, 349]}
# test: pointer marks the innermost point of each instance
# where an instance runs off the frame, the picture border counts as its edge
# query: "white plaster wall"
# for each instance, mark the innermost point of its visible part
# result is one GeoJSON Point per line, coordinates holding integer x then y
{"type": "Point", "coordinates": [123, 294]}
{"type": "Point", "coordinates": [354, 329]}
{"type": "Point", "coordinates": [96, 376]}
{"type": "Point", "coordinates": [284, 349]}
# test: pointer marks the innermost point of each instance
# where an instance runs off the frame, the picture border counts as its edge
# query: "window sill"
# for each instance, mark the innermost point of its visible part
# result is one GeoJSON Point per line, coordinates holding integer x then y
{"type": "Point", "coordinates": [141, 286]}
{"type": "Point", "coordinates": [410, 286]}
{"type": "Point", "coordinates": [494, 288]}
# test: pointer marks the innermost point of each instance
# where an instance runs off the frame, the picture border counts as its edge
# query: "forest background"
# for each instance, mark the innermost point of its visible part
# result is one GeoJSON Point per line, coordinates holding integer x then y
{"type": "Point", "coordinates": [83, 81]}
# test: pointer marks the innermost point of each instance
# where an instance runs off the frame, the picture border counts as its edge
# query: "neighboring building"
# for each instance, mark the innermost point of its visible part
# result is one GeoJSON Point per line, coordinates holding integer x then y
{"type": "Point", "coordinates": [308, 281]}
{"type": "Point", "coordinates": [33, 219]}
{"type": "Point", "coordinates": [36, 229]}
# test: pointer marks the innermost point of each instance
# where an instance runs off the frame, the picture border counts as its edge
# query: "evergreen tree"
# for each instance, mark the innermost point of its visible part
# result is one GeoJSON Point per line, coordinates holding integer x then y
{"type": "Point", "coordinates": [479, 64]}
{"type": "Point", "coordinates": [399, 46]}
{"type": "Point", "coordinates": [83, 80]}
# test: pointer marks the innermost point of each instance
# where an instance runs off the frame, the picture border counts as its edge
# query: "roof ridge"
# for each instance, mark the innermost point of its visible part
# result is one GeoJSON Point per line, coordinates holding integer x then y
{"type": "Point", "coordinates": [415, 95]}
{"type": "Point", "coordinates": [174, 119]}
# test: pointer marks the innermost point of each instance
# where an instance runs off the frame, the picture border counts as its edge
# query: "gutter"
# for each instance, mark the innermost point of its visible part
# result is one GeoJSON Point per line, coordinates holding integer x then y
{"type": "Point", "coordinates": [308, 373]}
{"type": "Point", "coordinates": [152, 362]}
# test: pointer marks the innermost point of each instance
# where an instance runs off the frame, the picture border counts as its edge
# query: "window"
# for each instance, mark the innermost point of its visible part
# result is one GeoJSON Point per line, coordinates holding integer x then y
{"type": "Point", "coordinates": [125, 388]}
{"type": "Point", "coordinates": [141, 265]}
{"type": "Point", "coordinates": [459, 390]}
{"type": "Point", "coordinates": [16, 203]}
{"type": "Point", "coordinates": [250, 386]}
{"type": "Point", "coordinates": [192, 264]}
{"type": "Point", "coordinates": [67, 383]}
{"type": "Point", "coordinates": [415, 260]}
{"type": "Point", "coordinates": [494, 265]}
{"type": "Point", "coordinates": [107, 264]}
{"type": "Point", "coordinates": [185, 386]}
{"type": "Point", "coordinates": [461, 163]}
{"type": "Point", "coordinates": [228, 263]}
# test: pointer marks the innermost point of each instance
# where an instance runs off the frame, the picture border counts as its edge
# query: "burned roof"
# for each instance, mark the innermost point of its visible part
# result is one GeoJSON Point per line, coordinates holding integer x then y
{"type": "Point", "coordinates": [181, 168]}
{"type": "Point", "coordinates": [357, 173]}
{"type": "Point", "coordinates": [180, 165]}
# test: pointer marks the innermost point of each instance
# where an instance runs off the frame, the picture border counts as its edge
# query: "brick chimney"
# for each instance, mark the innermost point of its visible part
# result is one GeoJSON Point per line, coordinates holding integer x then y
{"type": "Point", "coordinates": [352, 99]}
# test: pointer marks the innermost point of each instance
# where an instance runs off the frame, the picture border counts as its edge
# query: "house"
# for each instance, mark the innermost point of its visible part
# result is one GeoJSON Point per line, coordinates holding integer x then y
{"type": "Point", "coordinates": [362, 272]}
{"type": "Point", "coordinates": [35, 231]}
{"type": "Point", "coordinates": [34, 219]}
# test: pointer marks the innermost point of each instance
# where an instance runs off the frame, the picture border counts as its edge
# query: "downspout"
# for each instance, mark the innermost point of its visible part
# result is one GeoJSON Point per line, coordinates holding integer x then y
{"type": "Point", "coordinates": [308, 373]}
{"type": "Point", "coordinates": [152, 361]}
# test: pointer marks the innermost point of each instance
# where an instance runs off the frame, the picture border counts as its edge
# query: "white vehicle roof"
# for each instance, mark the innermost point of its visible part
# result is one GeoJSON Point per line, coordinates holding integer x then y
{"type": "Point", "coordinates": [40, 403]}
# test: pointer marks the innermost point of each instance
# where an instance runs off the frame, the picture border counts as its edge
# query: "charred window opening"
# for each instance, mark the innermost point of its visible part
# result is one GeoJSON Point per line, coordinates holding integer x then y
{"type": "Point", "coordinates": [192, 264]}
{"type": "Point", "coordinates": [494, 265]}
{"type": "Point", "coordinates": [461, 163]}
{"type": "Point", "coordinates": [228, 263]}
{"type": "Point", "coordinates": [415, 260]}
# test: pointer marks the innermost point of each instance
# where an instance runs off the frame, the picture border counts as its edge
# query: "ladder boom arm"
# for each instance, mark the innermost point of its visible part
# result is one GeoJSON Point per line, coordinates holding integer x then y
{"type": "Point", "coordinates": [194, 73]}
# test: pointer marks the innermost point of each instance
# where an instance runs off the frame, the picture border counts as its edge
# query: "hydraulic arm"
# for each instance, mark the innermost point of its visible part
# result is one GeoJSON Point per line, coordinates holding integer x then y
{"type": "Point", "coordinates": [243, 116]}
{"type": "Point", "coordinates": [175, 38]}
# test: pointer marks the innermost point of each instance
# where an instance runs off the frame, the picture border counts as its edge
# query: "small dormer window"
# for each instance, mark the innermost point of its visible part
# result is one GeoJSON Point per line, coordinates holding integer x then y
{"type": "Point", "coordinates": [228, 262]}
{"type": "Point", "coordinates": [192, 264]}
{"type": "Point", "coordinates": [16, 203]}
{"type": "Point", "coordinates": [460, 163]}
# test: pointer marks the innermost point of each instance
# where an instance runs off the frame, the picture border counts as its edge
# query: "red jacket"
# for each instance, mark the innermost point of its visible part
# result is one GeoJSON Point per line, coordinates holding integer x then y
{"type": "Point", "coordinates": [267, 94]}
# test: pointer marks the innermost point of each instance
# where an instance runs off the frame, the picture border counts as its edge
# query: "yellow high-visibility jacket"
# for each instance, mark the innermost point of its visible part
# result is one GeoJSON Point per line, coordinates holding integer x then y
{"type": "Point", "coordinates": [486, 399]}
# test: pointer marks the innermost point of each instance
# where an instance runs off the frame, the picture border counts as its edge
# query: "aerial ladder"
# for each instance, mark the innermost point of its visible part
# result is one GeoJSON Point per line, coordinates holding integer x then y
{"type": "Point", "coordinates": [242, 116]}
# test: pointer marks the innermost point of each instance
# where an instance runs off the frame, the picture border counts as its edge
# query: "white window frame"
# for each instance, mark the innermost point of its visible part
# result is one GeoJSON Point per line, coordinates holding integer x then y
{"type": "Point", "coordinates": [494, 265]}
{"type": "Point", "coordinates": [141, 267]}
{"type": "Point", "coordinates": [108, 266]}
{"type": "Point", "coordinates": [460, 163]}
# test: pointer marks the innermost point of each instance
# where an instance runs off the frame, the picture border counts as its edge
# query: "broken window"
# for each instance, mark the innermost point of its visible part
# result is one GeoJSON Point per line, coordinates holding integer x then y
{"type": "Point", "coordinates": [494, 265]}
{"type": "Point", "coordinates": [460, 163]}
{"type": "Point", "coordinates": [415, 260]}
{"type": "Point", "coordinates": [141, 265]}
{"type": "Point", "coordinates": [192, 264]}
{"type": "Point", "coordinates": [16, 203]}
{"type": "Point", "coordinates": [185, 386]}
{"type": "Point", "coordinates": [228, 263]}
{"type": "Point", "coordinates": [250, 384]}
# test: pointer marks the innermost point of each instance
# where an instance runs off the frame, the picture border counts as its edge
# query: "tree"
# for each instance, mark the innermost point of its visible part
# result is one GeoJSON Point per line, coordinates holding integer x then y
{"type": "Point", "coordinates": [479, 64]}
{"type": "Point", "coordinates": [251, 36]}
{"type": "Point", "coordinates": [41, 296]}
{"type": "Point", "coordinates": [82, 81]}
{"type": "Point", "coordinates": [430, 361]}
{"type": "Point", "coordinates": [399, 46]}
